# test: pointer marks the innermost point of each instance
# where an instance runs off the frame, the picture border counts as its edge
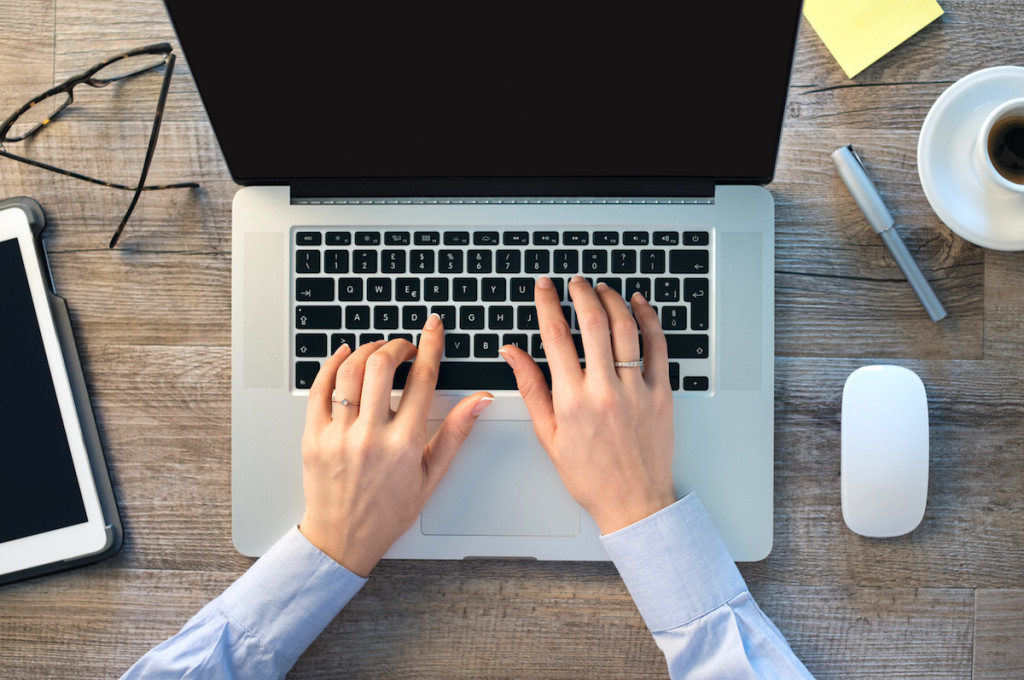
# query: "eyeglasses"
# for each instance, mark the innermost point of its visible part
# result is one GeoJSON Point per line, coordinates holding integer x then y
{"type": "Point", "coordinates": [43, 109]}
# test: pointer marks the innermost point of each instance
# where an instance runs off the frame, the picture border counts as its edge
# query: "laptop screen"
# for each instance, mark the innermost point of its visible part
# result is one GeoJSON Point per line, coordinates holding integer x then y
{"type": "Point", "coordinates": [662, 92]}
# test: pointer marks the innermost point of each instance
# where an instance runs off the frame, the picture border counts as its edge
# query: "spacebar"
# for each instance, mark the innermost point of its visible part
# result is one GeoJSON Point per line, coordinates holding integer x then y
{"type": "Point", "coordinates": [471, 375]}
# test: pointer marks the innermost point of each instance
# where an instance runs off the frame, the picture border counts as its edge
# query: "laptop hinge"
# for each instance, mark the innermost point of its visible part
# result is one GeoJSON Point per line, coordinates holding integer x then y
{"type": "Point", "coordinates": [475, 192]}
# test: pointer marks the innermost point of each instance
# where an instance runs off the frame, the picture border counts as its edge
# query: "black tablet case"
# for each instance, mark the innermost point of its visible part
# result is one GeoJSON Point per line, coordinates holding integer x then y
{"type": "Point", "coordinates": [101, 476]}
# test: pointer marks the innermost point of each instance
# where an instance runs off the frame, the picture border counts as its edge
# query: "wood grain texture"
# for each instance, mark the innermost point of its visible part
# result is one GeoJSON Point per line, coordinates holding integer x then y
{"type": "Point", "coordinates": [152, 321]}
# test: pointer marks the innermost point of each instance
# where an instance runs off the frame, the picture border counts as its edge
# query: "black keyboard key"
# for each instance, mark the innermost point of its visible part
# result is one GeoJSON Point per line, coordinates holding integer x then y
{"type": "Point", "coordinates": [407, 290]}
{"type": "Point", "coordinates": [456, 345]}
{"type": "Point", "coordinates": [695, 383]}
{"type": "Point", "coordinates": [435, 290]}
{"type": "Point", "coordinates": [337, 339]}
{"type": "Point", "coordinates": [456, 238]}
{"type": "Point", "coordinates": [688, 262]}
{"type": "Point", "coordinates": [652, 262]}
{"type": "Point", "coordinates": [486, 238]}
{"type": "Point", "coordinates": [508, 262]}
{"type": "Point", "coordinates": [402, 336]}
{"type": "Point", "coordinates": [367, 338]}
{"type": "Point", "coordinates": [614, 284]}
{"type": "Point", "coordinates": [520, 340]}
{"type": "Point", "coordinates": [317, 317]}
{"type": "Point", "coordinates": [339, 238]}
{"type": "Point", "coordinates": [471, 318]}
{"type": "Point", "coordinates": [427, 238]}
{"type": "Point", "coordinates": [697, 293]}
{"type": "Point", "coordinates": [521, 290]}
{"type": "Point", "coordinates": [606, 238]}
{"type": "Point", "coordinates": [421, 262]}
{"type": "Point", "coordinates": [624, 262]}
{"type": "Point", "coordinates": [576, 238]}
{"type": "Point", "coordinates": [696, 238]}
{"type": "Point", "coordinates": [686, 346]}
{"type": "Point", "coordinates": [314, 290]}
{"type": "Point", "coordinates": [336, 262]}
{"type": "Point", "coordinates": [364, 262]}
{"type": "Point", "coordinates": [485, 346]}
{"type": "Point", "coordinates": [310, 345]}
{"type": "Point", "coordinates": [447, 314]}
{"type": "Point", "coordinates": [500, 318]}
{"type": "Point", "coordinates": [449, 262]}
{"type": "Point", "coordinates": [635, 238]}
{"type": "Point", "coordinates": [673, 318]}
{"type": "Point", "coordinates": [378, 290]}
{"type": "Point", "coordinates": [545, 238]}
{"type": "Point", "coordinates": [307, 238]}
{"type": "Point", "coordinates": [385, 317]}
{"type": "Point", "coordinates": [392, 262]}
{"type": "Point", "coordinates": [396, 238]}
{"type": "Point", "coordinates": [357, 317]}
{"type": "Point", "coordinates": [464, 290]}
{"type": "Point", "coordinates": [537, 262]}
{"type": "Point", "coordinates": [471, 375]}
{"type": "Point", "coordinates": [666, 238]}
{"type": "Point", "coordinates": [478, 262]}
{"type": "Point", "coordinates": [666, 290]}
{"type": "Point", "coordinates": [526, 319]}
{"type": "Point", "coordinates": [367, 238]}
{"type": "Point", "coordinates": [413, 317]}
{"type": "Point", "coordinates": [673, 375]}
{"type": "Point", "coordinates": [567, 262]}
{"type": "Point", "coordinates": [350, 290]}
{"type": "Point", "coordinates": [638, 285]}
{"type": "Point", "coordinates": [307, 261]}
{"type": "Point", "coordinates": [305, 374]}
{"type": "Point", "coordinates": [516, 238]}
{"type": "Point", "coordinates": [492, 290]}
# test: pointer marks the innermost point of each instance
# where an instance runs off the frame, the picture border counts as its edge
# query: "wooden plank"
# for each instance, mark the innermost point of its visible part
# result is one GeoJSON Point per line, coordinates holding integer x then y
{"type": "Point", "coordinates": [999, 634]}
{"type": "Point", "coordinates": [26, 54]}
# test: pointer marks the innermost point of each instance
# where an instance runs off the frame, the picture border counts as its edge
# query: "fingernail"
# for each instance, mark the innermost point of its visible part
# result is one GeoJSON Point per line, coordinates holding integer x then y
{"type": "Point", "coordinates": [508, 358]}
{"type": "Point", "coordinates": [544, 282]}
{"type": "Point", "coordinates": [481, 405]}
{"type": "Point", "coordinates": [433, 321]}
{"type": "Point", "coordinates": [342, 346]}
{"type": "Point", "coordinates": [576, 279]}
{"type": "Point", "coordinates": [601, 286]}
{"type": "Point", "coordinates": [638, 299]}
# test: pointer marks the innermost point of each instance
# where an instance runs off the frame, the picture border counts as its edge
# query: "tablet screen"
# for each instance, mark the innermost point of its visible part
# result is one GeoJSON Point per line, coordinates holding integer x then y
{"type": "Point", "coordinates": [39, 490]}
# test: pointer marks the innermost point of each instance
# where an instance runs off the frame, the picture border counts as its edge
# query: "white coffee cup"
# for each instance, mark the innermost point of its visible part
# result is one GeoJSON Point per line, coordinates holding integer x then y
{"type": "Point", "coordinates": [998, 154]}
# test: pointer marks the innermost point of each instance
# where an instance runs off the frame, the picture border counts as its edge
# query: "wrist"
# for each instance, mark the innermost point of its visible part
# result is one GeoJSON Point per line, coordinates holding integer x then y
{"type": "Point", "coordinates": [350, 554]}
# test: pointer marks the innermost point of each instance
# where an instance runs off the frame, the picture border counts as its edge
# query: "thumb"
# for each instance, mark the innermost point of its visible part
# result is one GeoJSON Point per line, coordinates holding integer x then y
{"type": "Point", "coordinates": [457, 425]}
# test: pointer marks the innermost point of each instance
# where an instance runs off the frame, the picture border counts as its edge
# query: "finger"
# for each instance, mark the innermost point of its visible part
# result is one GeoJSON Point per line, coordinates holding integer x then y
{"type": "Point", "coordinates": [419, 386]}
{"type": "Point", "coordinates": [625, 337]}
{"type": "Point", "coordinates": [534, 390]}
{"type": "Point", "coordinates": [379, 378]}
{"type": "Point", "coordinates": [593, 324]}
{"type": "Point", "coordinates": [655, 347]}
{"type": "Point", "coordinates": [319, 406]}
{"type": "Point", "coordinates": [349, 381]}
{"type": "Point", "coordinates": [457, 425]}
{"type": "Point", "coordinates": [559, 348]}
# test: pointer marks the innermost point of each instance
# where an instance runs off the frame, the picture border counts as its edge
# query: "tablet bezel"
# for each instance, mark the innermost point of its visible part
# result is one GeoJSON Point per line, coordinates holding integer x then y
{"type": "Point", "coordinates": [90, 537]}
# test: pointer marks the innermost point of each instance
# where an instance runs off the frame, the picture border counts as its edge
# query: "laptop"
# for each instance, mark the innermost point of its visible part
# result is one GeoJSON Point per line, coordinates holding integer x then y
{"type": "Point", "coordinates": [393, 163]}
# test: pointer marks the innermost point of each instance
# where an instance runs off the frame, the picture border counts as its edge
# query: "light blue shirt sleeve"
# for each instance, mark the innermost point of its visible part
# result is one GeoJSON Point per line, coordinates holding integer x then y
{"type": "Point", "coordinates": [694, 600]}
{"type": "Point", "coordinates": [259, 626]}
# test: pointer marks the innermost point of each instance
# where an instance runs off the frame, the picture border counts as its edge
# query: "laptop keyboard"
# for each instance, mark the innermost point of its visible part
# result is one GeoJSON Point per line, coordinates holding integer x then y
{"type": "Point", "coordinates": [358, 285]}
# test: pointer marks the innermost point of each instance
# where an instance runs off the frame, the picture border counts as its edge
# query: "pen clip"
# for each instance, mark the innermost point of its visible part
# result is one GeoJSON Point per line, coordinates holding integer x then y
{"type": "Point", "coordinates": [856, 157]}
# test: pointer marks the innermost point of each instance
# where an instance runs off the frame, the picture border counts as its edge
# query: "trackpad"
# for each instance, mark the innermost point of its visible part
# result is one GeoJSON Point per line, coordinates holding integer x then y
{"type": "Point", "coordinates": [501, 483]}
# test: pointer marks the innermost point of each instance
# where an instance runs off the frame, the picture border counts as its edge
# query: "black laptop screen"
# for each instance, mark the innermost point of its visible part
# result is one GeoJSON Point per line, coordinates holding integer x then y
{"type": "Point", "coordinates": [386, 91]}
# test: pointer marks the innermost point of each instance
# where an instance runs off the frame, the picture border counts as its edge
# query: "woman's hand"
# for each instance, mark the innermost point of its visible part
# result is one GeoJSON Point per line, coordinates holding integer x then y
{"type": "Point", "coordinates": [368, 471]}
{"type": "Point", "coordinates": [608, 430]}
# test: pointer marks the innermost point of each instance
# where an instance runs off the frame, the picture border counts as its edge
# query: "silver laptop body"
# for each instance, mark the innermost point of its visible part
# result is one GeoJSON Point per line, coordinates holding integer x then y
{"type": "Point", "coordinates": [501, 497]}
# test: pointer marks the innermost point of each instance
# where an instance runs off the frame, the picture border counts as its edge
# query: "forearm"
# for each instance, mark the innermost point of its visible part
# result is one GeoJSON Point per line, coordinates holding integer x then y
{"type": "Point", "coordinates": [695, 601]}
{"type": "Point", "coordinates": [260, 625]}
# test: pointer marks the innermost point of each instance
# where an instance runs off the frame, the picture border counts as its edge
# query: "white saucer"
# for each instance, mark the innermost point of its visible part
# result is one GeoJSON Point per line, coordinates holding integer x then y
{"type": "Point", "coordinates": [991, 218]}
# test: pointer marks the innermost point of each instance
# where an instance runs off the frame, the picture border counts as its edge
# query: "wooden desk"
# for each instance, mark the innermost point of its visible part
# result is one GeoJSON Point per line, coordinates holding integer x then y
{"type": "Point", "coordinates": [152, 322]}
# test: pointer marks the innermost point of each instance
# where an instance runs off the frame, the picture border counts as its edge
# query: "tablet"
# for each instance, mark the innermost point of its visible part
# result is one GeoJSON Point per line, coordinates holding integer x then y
{"type": "Point", "coordinates": [57, 508]}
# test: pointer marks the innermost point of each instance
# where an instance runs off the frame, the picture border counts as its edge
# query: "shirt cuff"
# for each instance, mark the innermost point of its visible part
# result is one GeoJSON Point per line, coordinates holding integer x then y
{"type": "Point", "coordinates": [289, 595]}
{"type": "Point", "coordinates": [675, 565]}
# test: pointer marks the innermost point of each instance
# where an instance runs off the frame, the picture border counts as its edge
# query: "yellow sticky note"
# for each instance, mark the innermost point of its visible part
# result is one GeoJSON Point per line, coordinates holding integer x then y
{"type": "Point", "coordinates": [860, 32]}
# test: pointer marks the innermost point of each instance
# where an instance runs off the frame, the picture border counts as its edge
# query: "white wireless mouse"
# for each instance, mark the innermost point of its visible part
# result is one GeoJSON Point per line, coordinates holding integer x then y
{"type": "Point", "coordinates": [884, 471]}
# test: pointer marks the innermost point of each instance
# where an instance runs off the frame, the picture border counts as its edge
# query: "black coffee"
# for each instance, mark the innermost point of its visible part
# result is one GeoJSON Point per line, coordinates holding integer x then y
{"type": "Point", "coordinates": [1006, 148]}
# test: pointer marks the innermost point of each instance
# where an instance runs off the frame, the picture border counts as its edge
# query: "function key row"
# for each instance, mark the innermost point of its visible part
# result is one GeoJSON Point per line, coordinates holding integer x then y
{"type": "Point", "coordinates": [509, 238]}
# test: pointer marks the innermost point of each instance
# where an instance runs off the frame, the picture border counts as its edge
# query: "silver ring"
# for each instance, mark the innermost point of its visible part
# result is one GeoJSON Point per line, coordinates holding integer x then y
{"type": "Point", "coordinates": [628, 364]}
{"type": "Point", "coordinates": [345, 402]}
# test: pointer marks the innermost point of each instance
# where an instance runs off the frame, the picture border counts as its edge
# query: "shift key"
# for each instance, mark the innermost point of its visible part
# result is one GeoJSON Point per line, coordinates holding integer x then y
{"type": "Point", "coordinates": [687, 346]}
